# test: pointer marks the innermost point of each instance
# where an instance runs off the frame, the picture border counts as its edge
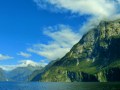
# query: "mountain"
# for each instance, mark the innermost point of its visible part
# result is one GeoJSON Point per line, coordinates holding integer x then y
{"type": "Point", "coordinates": [22, 71]}
{"type": "Point", "coordinates": [37, 73]}
{"type": "Point", "coordinates": [95, 58]}
{"type": "Point", "coordinates": [2, 75]}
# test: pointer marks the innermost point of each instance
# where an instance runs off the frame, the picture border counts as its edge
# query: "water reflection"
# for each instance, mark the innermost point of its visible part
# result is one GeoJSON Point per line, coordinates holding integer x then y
{"type": "Point", "coordinates": [58, 86]}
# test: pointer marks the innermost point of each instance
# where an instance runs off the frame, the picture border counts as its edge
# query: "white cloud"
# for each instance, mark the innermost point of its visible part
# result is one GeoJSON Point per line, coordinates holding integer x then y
{"type": "Point", "coordinates": [97, 9]}
{"type": "Point", "coordinates": [5, 57]}
{"type": "Point", "coordinates": [104, 8]}
{"type": "Point", "coordinates": [26, 55]}
{"type": "Point", "coordinates": [90, 24]}
{"type": "Point", "coordinates": [63, 38]}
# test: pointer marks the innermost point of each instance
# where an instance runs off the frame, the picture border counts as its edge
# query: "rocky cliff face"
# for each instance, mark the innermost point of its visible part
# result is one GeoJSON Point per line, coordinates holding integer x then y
{"type": "Point", "coordinates": [96, 57]}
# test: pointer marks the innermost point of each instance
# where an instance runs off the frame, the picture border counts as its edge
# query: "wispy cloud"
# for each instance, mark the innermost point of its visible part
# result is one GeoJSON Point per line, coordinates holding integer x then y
{"type": "Point", "coordinates": [23, 54]}
{"type": "Point", "coordinates": [63, 38]}
{"type": "Point", "coordinates": [104, 8]}
{"type": "Point", "coordinates": [97, 9]}
{"type": "Point", "coordinates": [5, 57]}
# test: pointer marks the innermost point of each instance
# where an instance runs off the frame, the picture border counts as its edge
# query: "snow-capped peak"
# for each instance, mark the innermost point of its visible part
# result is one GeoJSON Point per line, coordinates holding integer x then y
{"type": "Point", "coordinates": [25, 63]}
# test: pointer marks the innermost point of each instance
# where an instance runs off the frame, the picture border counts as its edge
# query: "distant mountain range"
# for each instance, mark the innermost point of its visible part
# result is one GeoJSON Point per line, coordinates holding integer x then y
{"type": "Point", "coordinates": [95, 58]}
{"type": "Point", "coordinates": [18, 73]}
{"type": "Point", "coordinates": [2, 75]}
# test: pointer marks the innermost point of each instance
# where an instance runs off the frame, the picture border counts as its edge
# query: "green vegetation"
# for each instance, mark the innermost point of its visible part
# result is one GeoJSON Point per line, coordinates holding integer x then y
{"type": "Point", "coordinates": [96, 57]}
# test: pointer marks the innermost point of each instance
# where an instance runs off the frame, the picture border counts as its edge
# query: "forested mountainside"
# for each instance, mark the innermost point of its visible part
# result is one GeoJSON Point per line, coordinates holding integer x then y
{"type": "Point", "coordinates": [96, 57]}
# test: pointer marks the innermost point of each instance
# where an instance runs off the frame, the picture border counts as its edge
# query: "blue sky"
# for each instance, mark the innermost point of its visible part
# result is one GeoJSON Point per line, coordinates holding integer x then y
{"type": "Point", "coordinates": [44, 30]}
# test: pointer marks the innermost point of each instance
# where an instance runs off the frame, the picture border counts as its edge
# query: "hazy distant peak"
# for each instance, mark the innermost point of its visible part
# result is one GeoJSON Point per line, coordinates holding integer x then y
{"type": "Point", "coordinates": [8, 67]}
{"type": "Point", "coordinates": [23, 63]}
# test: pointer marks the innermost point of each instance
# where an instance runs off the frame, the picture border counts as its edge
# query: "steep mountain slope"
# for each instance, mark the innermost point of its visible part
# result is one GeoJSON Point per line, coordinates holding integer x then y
{"type": "Point", "coordinates": [96, 57]}
{"type": "Point", "coordinates": [21, 73]}
{"type": "Point", "coordinates": [2, 75]}
{"type": "Point", "coordinates": [37, 73]}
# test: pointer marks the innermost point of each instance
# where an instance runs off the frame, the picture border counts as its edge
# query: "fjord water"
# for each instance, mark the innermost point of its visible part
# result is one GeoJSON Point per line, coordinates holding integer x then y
{"type": "Point", "coordinates": [58, 86]}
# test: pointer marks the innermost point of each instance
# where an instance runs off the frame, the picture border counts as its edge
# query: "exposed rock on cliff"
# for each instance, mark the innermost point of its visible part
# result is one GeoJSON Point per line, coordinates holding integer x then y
{"type": "Point", "coordinates": [96, 57]}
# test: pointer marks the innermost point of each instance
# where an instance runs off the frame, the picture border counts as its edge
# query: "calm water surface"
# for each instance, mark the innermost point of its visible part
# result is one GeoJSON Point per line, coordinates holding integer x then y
{"type": "Point", "coordinates": [58, 86]}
